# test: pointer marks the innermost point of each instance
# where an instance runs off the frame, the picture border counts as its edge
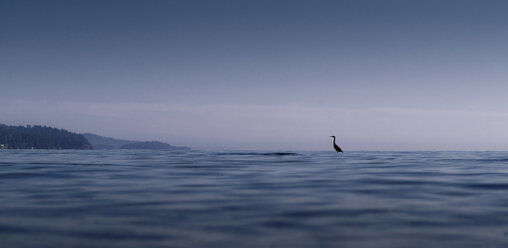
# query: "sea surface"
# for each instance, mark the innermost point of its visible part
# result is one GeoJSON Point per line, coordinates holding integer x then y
{"type": "Point", "coordinates": [141, 198]}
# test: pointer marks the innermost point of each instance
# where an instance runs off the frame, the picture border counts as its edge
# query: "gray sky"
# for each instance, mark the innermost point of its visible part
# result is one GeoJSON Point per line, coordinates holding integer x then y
{"type": "Point", "coordinates": [285, 75]}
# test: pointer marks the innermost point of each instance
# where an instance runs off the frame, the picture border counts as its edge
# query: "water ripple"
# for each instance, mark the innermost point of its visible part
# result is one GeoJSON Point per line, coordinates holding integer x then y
{"type": "Point", "coordinates": [131, 198]}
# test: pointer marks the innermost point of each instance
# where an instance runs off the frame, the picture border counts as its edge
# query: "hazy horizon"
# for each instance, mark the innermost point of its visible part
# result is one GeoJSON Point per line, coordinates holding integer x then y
{"type": "Point", "coordinates": [261, 75]}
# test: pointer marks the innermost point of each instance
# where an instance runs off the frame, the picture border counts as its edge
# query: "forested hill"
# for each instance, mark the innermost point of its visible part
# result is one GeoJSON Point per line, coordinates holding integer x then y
{"type": "Point", "coordinates": [100, 142]}
{"type": "Point", "coordinates": [40, 137]}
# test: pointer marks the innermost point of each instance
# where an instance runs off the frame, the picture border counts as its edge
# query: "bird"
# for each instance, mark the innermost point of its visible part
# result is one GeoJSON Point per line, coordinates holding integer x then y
{"type": "Point", "coordinates": [337, 148]}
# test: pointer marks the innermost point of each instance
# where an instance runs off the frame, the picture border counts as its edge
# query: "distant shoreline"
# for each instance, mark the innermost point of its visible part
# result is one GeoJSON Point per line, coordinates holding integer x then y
{"type": "Point", "coordinates": [40, 137]}
{"type": "Point", "coordinates": [43, 137]}
{"type": "Point", "coordinates": [108, 143]}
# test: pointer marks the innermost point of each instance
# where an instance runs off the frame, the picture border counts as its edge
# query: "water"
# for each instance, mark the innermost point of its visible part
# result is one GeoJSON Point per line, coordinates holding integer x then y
{"type": "Point", "coordinates": [253, 199]}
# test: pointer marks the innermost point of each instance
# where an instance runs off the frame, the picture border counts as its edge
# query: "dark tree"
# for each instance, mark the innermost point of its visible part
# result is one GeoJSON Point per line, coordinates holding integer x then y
{"type": "Point", "coordinates": [40, 137]}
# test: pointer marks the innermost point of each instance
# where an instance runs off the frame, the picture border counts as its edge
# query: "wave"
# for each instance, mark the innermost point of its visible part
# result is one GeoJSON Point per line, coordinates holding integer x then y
{"type": "Point", "coordinates": [259, 153]}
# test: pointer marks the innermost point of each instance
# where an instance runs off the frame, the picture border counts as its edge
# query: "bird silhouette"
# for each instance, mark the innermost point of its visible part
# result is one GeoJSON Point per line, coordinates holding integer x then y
{"type": "Point", "coordinates": [337, 148]}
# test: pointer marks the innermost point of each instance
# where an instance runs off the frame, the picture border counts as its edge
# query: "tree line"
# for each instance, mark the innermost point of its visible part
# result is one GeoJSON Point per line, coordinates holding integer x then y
{"type": "Point", "coordinates": [40, 137]}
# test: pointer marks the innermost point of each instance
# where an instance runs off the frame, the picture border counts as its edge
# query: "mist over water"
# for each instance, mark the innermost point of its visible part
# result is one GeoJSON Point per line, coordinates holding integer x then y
{"type": "Point", "coordinates": [141, 198]}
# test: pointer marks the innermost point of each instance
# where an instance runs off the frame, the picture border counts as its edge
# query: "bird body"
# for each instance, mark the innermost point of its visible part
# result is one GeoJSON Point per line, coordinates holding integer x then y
{"type": "Point", "coordinates": [335, 146]}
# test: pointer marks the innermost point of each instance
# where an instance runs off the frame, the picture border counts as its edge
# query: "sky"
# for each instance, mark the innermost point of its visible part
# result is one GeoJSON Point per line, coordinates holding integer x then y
{"type": "Point", "coordinates": [261, 75]}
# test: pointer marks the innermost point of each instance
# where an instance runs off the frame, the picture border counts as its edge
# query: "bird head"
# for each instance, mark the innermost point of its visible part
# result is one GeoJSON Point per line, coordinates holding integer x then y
{"type": "Point", "coordinates": [332, 136]}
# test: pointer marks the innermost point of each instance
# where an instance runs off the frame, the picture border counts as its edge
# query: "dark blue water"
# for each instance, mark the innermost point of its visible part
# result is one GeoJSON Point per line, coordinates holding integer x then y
{"type": "Point", "coordinates": [253, 199]}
